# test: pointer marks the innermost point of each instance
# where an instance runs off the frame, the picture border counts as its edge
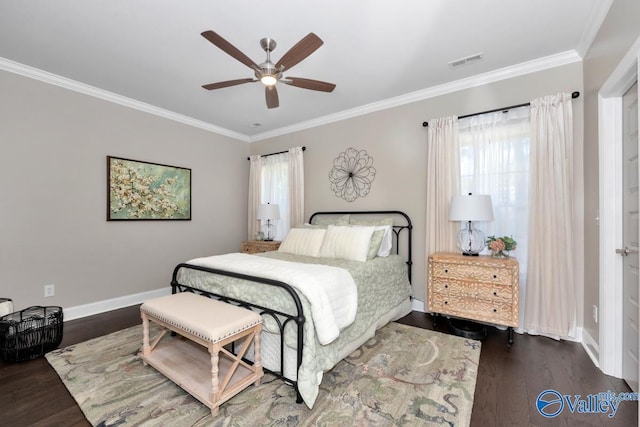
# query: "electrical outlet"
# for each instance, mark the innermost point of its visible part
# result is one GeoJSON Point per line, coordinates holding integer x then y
{"type": "Point", "coordinates": [595, 313]}
{"type": "Point", "coordinates": [49, 290]}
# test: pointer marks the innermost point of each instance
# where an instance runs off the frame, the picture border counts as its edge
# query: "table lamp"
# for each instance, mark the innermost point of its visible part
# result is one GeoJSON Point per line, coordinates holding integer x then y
{"type": "Point", "coordinates": [469, 208]}
{"type": "Point", "coordinates": [268, 212]}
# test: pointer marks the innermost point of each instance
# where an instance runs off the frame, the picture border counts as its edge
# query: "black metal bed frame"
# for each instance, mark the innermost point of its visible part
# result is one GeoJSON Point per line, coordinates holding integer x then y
{"type": "Point", "coordinates": [298, 318]}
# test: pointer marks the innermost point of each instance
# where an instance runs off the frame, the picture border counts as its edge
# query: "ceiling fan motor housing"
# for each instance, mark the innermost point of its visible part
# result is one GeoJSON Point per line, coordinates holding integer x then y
{"type": "Point", "coordinates": [267, 69]}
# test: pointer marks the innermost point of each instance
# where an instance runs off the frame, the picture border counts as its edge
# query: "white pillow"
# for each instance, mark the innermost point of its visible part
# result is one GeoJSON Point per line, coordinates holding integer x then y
{"type": "Point", "coordinates": [303, 241]}
{"type": "Point", "coordinates": [346, 242]}
{"type": "Point", "coordinates": [387, 240]}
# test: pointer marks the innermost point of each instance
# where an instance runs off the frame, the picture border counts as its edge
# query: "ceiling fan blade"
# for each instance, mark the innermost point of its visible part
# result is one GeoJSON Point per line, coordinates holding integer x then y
{"type": "Point", "coordinates": [228, 48]}
{"type": "Point", "coordinates": [309, 84]}
{"type": "Point", "coordinates": [300, 51]}
{"type": "Point", "coordinates": [220, 85]}
{"type": "Point", "coordinates": [271, 94]}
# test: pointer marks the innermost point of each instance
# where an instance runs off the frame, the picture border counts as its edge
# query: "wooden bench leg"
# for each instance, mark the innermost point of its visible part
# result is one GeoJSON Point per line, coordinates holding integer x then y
{"type": "Point", "coordinates": [215, 386]}
{"type": "Point", "coordinates": [145, 336]}
{"type": "Point", "coordinates": [257, 362]}
{"type": "Point", "coordinates": [146, 346]}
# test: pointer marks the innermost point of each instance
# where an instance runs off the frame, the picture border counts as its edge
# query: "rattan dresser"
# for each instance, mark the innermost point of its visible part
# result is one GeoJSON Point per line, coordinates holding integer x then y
{"type": "Point", "coordinates": [479, 288]}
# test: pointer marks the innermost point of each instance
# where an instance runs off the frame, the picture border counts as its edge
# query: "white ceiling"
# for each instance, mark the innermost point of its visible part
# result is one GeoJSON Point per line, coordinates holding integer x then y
{"type": "Point", "coordinates": [151, 51]}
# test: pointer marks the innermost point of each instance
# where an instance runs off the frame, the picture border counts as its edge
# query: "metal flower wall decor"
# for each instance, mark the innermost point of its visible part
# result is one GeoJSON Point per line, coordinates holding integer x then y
{"type": "Point", "coordinates": [352, 174]}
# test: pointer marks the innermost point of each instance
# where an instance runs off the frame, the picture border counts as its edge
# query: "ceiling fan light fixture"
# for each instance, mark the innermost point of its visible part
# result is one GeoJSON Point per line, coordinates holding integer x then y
{"type": "Point", "coordinates": [268, 80]}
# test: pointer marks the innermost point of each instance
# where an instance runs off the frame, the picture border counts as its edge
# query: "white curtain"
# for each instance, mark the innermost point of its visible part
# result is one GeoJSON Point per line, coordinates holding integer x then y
{"type": "Point", "coordinates": [551, 295]}
{"type": "Point", "coordinates": [275, 189]}
{"type": "Point", "coordinates": [255, 173]}
{"type": "Point", "coordinates": [494, 160]}
{"type": "Point", "coordinates": [443, 181]}
{"type": "Point", "coordinates": [296, 186]}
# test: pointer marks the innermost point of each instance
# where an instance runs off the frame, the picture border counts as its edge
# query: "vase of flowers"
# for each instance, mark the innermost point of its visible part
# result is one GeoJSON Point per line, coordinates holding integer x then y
{"type": "Point", "coordinates": [501, 246]}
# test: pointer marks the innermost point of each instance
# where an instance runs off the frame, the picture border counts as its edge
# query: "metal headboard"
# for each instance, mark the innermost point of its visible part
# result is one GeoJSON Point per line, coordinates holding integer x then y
{"type": "Point", "coordinates": [397, 229]}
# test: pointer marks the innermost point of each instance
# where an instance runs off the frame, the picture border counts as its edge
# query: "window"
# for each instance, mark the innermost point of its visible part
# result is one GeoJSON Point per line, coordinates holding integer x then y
{"type": "Point", "coordinates": [275, 189]}
{"type": "Point", "coordinates": [494, 159]}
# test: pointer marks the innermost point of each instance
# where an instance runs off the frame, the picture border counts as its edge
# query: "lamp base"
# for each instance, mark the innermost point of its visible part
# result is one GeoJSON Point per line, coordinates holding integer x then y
{"type": "Point", "coordinates": [471, 241]}
{"type": "Point", "coordinates": [269, 230]}
{"type": "Point", "coordinates": [468, 254]}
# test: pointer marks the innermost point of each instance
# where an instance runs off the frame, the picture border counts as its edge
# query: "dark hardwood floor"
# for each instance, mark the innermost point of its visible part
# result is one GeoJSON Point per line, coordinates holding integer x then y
{"type": "Point", "coordinates": [509, 379]}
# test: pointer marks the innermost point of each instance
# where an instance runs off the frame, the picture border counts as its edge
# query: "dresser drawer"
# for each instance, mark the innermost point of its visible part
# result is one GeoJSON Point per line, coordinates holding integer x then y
{"type": "Point", "coordinates": [473, 290]}
{"type": "Point", "coordinates": [483, 273]}
{"type": "Point", "coordinates": [259, 246]}
{"type": "Point", "coordinates": [452, 304]}
{"type": "Point", "coordinates": [496, 312]}
{"type": "Point", "coordinates": [491, 311]}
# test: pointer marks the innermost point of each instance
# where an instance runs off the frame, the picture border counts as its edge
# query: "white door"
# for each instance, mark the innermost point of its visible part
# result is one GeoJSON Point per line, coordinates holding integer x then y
{"type": "Point", "coordinates": [631, 239]}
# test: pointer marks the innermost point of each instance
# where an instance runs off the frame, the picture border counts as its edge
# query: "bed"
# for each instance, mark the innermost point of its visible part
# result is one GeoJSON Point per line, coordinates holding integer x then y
{"type": "Point", "coordinates": [299, 341]}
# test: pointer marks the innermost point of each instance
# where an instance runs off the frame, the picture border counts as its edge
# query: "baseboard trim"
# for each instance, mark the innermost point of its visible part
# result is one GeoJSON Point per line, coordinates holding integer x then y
{"type": "Point", "coordinates": [98, 307]}
{"type": "Point", "coordinates": [80, 311]}
{"type": "Point", "coordinates": [591, 347]}
{"type": "Point", "coordinates": [417, 305]}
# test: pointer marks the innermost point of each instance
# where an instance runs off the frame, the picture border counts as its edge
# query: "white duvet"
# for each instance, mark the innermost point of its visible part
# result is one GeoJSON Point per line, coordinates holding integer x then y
{"type": "Point", "coordinates": [331, 291]}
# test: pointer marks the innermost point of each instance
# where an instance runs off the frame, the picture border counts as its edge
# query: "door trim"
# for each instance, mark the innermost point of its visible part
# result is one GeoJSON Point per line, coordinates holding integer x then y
{"type": "Point", "coordinates": [610, 208]}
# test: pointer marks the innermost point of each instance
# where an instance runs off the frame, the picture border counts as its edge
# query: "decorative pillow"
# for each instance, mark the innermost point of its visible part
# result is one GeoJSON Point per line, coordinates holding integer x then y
{"type": "Point", "coordinates": [346, 242]}
{"type": "Point", "coordinates": [387, 242]}
{"type": "Point", "coordinates": [303, 241]}
{"type": "Point", "coordinates": [376, 241]}
{"type": "Point", "coordinates": [341, 220]}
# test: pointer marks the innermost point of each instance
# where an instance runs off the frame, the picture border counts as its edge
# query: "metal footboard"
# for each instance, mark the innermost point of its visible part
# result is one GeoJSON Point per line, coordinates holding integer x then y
{"type": "Point", "coordinates": [277, 316]}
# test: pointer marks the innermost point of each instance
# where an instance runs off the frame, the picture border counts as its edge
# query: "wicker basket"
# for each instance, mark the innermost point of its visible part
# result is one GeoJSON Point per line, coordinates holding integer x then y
{"type": "Point", "coordinates": [30, 333]}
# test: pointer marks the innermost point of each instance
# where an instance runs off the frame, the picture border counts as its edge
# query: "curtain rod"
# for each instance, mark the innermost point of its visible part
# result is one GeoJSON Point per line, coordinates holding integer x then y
{"type": "Point", "coordinates": [505, 109]}
{"type": "Point", "coordinates": [279, 152]}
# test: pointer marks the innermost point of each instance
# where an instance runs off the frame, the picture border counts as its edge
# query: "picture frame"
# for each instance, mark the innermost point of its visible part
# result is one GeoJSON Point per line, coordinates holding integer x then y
{"type": "Point", "coordinates": [146, 191]}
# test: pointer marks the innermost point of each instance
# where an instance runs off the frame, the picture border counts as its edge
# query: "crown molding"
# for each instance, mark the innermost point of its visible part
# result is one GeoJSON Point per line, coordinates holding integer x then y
{"type": "Point", "coordinates": [44, 76]}
{"type": "Point", "coordinates": [540, 64]}
{"type": "Point", "coordinates": [517, 70]}
{"type": "Point", "coordinates": [597, 16]}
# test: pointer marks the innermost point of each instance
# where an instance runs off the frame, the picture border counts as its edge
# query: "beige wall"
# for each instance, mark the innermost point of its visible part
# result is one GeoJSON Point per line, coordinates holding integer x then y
{"type": "Point", "coordinates": [53, 227]}
{"type": "Point", "coordinates": [396, 140]}
{"type": "Point", "coordinates": [52, 177]}
{"type": "Point", "coordinates": [618, 32]}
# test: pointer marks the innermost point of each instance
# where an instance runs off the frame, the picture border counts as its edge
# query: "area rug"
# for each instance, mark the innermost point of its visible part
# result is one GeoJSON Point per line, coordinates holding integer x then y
{"type": "Point", "coordinates": [404, 376]}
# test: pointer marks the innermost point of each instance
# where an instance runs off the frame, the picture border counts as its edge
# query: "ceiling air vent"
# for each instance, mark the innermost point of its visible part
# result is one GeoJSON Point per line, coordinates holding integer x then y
{"type": "Point", "coordinates": [466, 60]}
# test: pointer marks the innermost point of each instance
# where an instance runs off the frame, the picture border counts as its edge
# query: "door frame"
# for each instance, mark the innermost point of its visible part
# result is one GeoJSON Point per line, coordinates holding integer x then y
{"type": "Point", "coordinates": [610, 208]}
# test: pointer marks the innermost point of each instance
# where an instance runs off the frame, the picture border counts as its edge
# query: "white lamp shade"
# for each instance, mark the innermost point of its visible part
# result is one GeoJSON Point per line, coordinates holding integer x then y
{"type": "Point", "coordinates": [268, 211]}
{"type": "Point", "coordinates": [471, 207]}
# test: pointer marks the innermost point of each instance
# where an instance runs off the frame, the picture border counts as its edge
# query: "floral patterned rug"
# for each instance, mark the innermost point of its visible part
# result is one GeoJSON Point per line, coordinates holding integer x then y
{"type": "Point", "coordinates": [404, 376]}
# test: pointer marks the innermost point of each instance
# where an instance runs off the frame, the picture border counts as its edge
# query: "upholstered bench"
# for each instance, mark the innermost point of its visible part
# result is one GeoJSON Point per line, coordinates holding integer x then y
{"type": "Point", "coordinates": [212, 377]}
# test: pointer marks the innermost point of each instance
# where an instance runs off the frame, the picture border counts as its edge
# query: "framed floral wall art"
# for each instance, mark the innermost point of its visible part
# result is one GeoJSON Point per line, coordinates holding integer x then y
{"type": "Point", "coordinates": [139, 190]}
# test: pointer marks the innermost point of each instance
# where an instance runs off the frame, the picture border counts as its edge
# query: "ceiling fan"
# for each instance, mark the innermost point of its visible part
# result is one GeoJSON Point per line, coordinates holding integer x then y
{"type": "Point", "coordinates": [268, 73]}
